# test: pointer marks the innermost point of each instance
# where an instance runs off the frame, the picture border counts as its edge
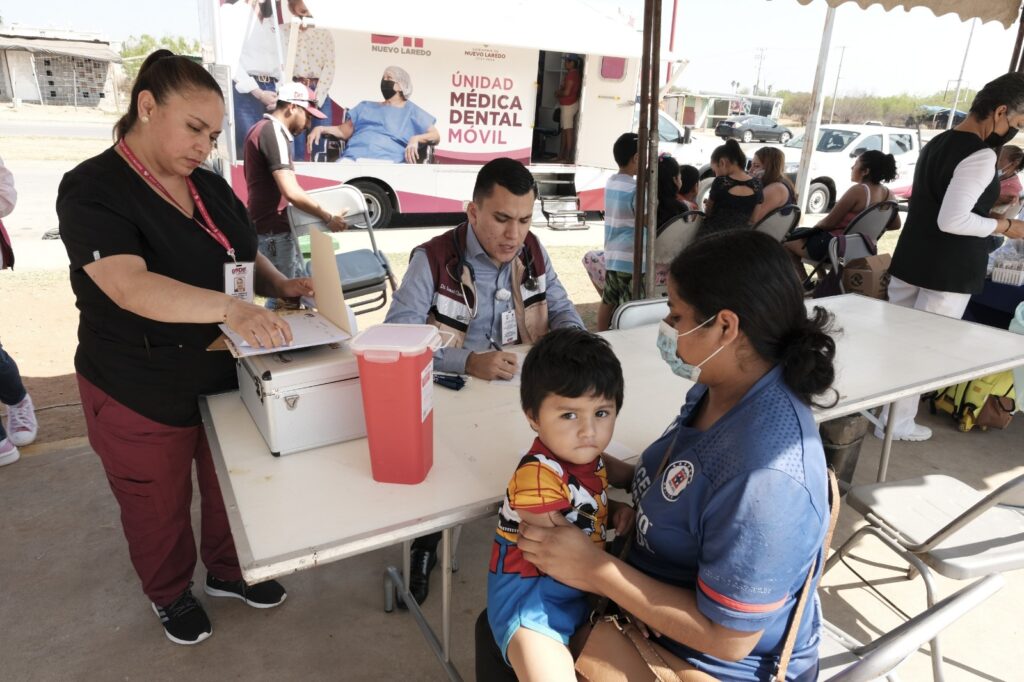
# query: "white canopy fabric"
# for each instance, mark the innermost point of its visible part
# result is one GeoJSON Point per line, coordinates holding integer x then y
{"type": "Point", "coordinates": [562, 25]}
{"type": "Point", "coordinates": [1003, 11]}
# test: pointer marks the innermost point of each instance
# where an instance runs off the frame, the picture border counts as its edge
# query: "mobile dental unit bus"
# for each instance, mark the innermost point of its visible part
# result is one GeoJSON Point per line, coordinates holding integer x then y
{"type": "Point", "coordinates": [485, 72]}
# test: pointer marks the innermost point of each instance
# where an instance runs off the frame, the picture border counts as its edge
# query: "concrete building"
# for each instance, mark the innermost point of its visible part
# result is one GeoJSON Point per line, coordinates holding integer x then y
{"type": "Point", "coordinates": [56, 66]}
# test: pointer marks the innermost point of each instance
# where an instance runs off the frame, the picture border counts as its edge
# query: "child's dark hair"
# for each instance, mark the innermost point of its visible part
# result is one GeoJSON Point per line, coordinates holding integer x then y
{"type": "Point", "coordinates": [690, 176]}
{"type": "Point", "coordinates": [751, 274]}
{"type": "Point", "coordinates": [730, 150]}
{"type": "Point", "coordinates": [570, 362]}
{"type": "Point", "coordinates": [163, 74]}
{"type": "Point", "coordinates": [880, 167]}
{"type": "Point", "coordinates": [625, 148]}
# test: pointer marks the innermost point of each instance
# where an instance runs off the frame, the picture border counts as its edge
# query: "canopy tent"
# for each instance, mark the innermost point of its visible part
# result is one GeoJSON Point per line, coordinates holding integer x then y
{"type": "Point", "coordinates": [89, 49]}
{"type": "Point", "coordinates": [1004, 11]}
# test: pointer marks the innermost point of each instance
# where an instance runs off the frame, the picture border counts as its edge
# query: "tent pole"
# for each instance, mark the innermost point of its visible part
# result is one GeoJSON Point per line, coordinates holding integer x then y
{"type": "Point", "coordinates": [803, 182]}
{"type": "Point", "coordinates": [651, 214]}
{"type": "Point", "coordinates": [960, 78]}
{"type": "Point", "coordinates": [639, 225]}
{"type": "Point", "coordinates": [1015, 63]}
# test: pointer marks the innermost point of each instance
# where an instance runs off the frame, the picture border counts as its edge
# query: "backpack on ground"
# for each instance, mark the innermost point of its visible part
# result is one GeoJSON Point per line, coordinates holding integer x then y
{"type": "Point", "coordinates": [983, 402]}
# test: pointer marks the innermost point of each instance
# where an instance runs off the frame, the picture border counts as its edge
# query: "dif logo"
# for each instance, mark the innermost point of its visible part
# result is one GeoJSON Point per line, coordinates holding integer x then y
{"type": "Point", "coordinates": [407, 41]}
{"type": "Point", "coordinates": [391, 44]}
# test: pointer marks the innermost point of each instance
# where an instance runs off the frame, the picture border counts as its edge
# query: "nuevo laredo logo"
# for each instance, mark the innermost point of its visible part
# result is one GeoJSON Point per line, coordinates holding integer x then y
{"type": "Point", "coordinates": [484, 53]}
{"type": "Point", "coordinates": [677, 477]}
{"type": "Point", "coordinates": [390, 45]}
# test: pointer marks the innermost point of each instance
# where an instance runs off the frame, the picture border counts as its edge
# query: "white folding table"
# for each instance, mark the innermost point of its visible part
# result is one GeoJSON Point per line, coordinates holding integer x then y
{"type": "Point", "coordinates": [295, 512]}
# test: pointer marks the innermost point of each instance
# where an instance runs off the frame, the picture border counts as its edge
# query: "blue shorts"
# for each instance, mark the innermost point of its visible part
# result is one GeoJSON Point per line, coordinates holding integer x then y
{"type": "Point", "coordinates": [539, 603]}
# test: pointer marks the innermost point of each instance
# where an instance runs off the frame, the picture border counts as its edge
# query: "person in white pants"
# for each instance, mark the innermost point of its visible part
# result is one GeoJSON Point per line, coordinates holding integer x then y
{"type": "Point", "coordinates": [942, 253]}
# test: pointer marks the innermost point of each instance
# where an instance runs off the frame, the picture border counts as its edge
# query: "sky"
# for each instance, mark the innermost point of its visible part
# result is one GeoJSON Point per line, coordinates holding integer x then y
{"type": "Point", "coordinates": [887, 52]}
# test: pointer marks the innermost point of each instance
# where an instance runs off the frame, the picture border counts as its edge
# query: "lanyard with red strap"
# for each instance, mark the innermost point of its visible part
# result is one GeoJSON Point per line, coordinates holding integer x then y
{"type": "Point", "coordinates": [206, 223]}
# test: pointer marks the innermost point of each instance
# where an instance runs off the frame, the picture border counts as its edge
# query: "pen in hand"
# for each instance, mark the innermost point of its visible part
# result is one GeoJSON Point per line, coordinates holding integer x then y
{"type": "Point", "coordinates": [494, 344]}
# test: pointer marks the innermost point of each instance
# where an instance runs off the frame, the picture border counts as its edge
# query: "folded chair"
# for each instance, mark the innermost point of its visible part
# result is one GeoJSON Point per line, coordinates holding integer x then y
{"type": "Point", "coordinates": [779, 222]}
{"type": "Point", "coordinates": [843, 659]}
{"type": "Point", "coordinates": [365, 273]}
{"type": "Point", "coordinates": [937, 523]}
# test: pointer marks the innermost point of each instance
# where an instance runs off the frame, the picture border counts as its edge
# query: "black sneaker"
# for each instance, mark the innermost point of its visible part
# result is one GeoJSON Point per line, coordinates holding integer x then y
{"type": "Point", "coordinates": [422, 563]}
{"type": "Point", "coordinates": [265, 595]}
{"type": "Point", "coordinates": [184, 620]}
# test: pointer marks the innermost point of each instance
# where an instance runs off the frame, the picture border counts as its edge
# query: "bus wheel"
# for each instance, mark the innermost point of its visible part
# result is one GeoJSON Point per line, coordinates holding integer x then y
{"type": "Point", "coordinates": [378, 202]}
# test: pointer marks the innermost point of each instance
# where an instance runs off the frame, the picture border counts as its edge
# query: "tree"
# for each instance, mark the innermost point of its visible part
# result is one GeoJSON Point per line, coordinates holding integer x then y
{"type": "Point", "coordinates": [135, 50]}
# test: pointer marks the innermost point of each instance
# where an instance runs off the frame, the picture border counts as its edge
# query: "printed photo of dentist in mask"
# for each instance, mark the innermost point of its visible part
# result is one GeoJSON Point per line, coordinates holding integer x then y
{"type": "Point", "coordinates": [390, 130]}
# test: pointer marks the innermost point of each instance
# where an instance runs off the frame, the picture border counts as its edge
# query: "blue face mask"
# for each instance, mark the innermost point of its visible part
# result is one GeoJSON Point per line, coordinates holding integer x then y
{"type": "Point", "coordinates": [667, 344]}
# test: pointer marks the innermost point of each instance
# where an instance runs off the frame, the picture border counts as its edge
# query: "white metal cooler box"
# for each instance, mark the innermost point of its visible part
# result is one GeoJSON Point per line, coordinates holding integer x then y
{"type": "Point", "coordinates": [303, 399]}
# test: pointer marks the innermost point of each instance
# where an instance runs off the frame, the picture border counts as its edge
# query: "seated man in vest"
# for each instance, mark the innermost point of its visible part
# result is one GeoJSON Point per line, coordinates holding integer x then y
{"type": "Point", "coordinates": [491, 284]}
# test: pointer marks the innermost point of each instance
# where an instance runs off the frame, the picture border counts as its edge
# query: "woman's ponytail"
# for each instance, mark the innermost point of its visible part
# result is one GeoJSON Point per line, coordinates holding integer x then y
{"type": "Point", "coordinates": [807, 356]}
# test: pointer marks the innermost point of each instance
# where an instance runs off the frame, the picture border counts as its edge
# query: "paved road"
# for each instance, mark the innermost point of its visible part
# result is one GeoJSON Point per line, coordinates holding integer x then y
{"type": "Point", "coordinates": [77, 129]}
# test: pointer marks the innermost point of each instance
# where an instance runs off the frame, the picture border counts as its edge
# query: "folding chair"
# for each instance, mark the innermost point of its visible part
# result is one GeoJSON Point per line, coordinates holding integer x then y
{"type": "Point", "coordinates": [640, 313]}
{"type": "Point", "coordinates": [938, 522]}
{"type": "Point", "coordinates": [871, 223]}
{"type": "Point", "coordinates": [779, 222]}
{"type": "Point", "coordinates": [365, 273]}
{"type": "Point", "coordinates": [855, 247]}
{"type": "Point", "coordinates": [672, 237]}
{"type": "Point", "coordinates": [843, 659]}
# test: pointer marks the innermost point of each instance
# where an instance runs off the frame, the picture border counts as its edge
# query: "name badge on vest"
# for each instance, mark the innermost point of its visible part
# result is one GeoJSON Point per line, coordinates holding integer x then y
{"type": "Point", "coordinates": [238, 278]}
{"type": "Point", "coordinates": [509, 330]}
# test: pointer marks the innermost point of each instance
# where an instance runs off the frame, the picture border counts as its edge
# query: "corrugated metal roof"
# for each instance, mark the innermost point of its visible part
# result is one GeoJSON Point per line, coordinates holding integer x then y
{"type": "Point", "coordinates": [73, 48]}
{"type": "Point", "coordinates": [1003, 11]}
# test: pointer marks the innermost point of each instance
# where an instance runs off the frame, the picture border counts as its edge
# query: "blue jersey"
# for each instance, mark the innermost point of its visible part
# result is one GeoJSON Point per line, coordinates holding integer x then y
{"type": "Point", "coordinates": [382, 131]}
{"type": "Point", "coordinates": [739, 516]}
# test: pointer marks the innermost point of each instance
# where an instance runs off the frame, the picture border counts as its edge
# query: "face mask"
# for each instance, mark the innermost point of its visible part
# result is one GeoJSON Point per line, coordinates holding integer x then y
{"type": "Point", "coordinates": [667, 344]}
{"type": "Point", "coordinates": [758, 173]}
{"type": "Point", "coordinates": [387, 88]}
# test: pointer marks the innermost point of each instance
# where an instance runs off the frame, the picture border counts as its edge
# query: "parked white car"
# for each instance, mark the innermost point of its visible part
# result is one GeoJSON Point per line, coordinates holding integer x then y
{"type": "Point", "coordinates": [835, 151]}
{"type": "Point", "coordinates": [686, 147]}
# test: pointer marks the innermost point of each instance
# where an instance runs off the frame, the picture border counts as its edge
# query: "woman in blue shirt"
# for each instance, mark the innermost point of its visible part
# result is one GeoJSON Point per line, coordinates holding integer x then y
{"type": "Point", "coordinates": [726, 534]}
{"type": "Point", "coordinates": [390, 130]}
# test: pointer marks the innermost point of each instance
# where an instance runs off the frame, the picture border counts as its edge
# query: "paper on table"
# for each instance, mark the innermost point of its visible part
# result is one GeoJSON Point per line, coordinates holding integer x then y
{"type": "Point", "coordinates": [330, 299]}
{"type": "Point", "coordinates": [309, 328]}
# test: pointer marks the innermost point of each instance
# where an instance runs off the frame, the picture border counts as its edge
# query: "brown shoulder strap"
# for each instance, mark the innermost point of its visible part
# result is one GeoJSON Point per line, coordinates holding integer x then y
{"type": "Point", "coordinates": [805, 591]}
{"type": "Point", "coordinates": [661, 670]}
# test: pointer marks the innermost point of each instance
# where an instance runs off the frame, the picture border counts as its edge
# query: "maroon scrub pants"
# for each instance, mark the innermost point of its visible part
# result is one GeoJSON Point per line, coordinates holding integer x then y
{"type": "Point", "coordinates": [149, 468]}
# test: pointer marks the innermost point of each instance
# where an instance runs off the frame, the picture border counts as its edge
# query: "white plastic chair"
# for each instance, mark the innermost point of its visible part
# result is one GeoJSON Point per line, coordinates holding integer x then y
{"type": "Point", "coordinates": [937, 522]}
{"type": "Point", "coordinates": [672, 237]}
{"type": "Point", "coordinates": [365, 273]}
{"type": "Point", "coordinates": [640, 313]}
{"type": "Point", "coordinates": [873, 220]}
{"type": "Point", "coordinates": [779, 222]}
{"type": "Point", "coordinates": [843, 659]}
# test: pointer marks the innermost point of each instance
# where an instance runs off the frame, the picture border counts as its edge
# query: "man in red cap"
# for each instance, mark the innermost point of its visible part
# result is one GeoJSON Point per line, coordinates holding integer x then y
{"type": "Point", "coordinates": [270, 177]}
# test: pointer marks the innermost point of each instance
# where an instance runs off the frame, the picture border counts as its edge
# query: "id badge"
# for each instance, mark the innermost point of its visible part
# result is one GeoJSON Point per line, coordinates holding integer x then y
{"type": "Point", "coordinates": [238, 280]}
{"type": "Point", "coordinates": [509, 330]}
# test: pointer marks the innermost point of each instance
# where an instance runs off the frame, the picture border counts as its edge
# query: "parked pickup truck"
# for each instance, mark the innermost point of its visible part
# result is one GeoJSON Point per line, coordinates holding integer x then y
{"type": "Point", "coordinates": [837, 148]}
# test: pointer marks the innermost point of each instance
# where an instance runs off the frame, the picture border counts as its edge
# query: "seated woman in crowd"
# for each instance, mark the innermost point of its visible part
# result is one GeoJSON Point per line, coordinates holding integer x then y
{"type": "Point", "coordinates": [768, 166]}
{"type": "Point", "coordinates": [734, 194]}
{"type": "Point", "coordinates": [869, 171]}
{"type": "Point", "coordinates": [1008, 165]}
{"type": "Point", "coordinates": [732, 500]}
{"type": "Point", "coordinates": [391, 130]}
